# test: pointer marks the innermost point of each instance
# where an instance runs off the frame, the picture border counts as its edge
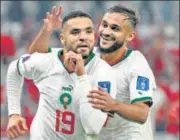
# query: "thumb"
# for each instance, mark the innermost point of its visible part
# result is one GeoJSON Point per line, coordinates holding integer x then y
{"type": "Point", "coordinates": [24, 125]}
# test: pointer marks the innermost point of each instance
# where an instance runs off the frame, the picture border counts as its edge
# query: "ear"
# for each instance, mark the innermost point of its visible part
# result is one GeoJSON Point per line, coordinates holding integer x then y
{"type": "Point", "coordinates": [62, 39]}
{"type": "Point", "coordinates": [131, 36]}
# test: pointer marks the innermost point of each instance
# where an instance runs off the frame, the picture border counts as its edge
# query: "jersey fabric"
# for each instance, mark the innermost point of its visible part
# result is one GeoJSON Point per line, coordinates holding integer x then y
{"type": "Point", "coordinates": [135, 82]}
{"type": "Point", "coordinates": [58, 116]}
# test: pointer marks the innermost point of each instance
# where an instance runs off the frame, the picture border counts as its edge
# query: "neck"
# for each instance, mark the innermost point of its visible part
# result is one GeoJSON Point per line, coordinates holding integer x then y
{"type": "Point", "coordinates": [113, 57]}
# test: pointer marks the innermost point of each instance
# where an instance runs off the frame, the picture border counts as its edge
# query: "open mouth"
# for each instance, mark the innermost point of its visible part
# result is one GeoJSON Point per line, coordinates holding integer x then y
{"type": "Point", "coordinates": [83, 46]}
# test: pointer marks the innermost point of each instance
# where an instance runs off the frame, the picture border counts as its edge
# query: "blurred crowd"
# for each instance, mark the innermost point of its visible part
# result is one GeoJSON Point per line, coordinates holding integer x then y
{"type": "Point", "coordinates": [157, 38]}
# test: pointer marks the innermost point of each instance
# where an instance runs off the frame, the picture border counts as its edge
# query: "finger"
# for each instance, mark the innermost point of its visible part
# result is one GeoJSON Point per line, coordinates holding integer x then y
{"type": "Point", "coordinates": [59, 11]}
{"type": "Point", "coordinates": [101, 93]}
{"type": "Point", "coordinates": [79, 57]}
{"type": "Point", "coordinates": [96, 96]}
{"type": "Point", "coordinates": [101, 89]}
{"type": "Point", "coordinates": [95, 91]}
{"type": "Point", "coordinates": [10, 134]}
{"type": "Point", "coordinates": [48, 16]}
{"type": "Point", "coordinates": [45, 20]}
{"type": "Point", "coordinates": [98, 106]}
{"type": "Point", "coordinates": [23, 125]}
{"type": "Point", "coordinates": [13, 131]}
{"type": "Point", "coordinates": [18, 130]}
{"type": "Point", "coordinates": [97, 102]}
{"type": "Point", "coordinates": [54, 11]}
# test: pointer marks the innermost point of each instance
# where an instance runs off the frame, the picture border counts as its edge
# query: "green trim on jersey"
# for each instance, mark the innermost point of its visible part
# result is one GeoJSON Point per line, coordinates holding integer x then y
{"type": "Point", "coordinates": [49, 49]}
{"type": "Point", "coordinates": [18, 69]}
{"type": "Point", "coordinates": [91, 56]}
{"type": "Point", "coordinates": [141, 99]}
{"type": "Point", "coordinates": [125, 56]}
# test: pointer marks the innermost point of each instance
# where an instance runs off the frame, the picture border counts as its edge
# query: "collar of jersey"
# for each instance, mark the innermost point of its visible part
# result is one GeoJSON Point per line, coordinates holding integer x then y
{"type": "Point", "coordinates": [124, 57]}
{"type": "Point", "coordinates": [60, 52]}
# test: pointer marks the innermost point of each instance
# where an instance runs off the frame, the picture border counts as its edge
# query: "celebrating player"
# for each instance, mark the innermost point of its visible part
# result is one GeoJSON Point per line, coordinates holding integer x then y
{"type": "Point", "coordinates": [64, 112]}
{"type": "Point", "coordinates": [136, 82]}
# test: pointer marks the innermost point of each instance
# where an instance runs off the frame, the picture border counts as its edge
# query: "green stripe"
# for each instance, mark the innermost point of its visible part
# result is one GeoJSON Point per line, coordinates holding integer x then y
{"type": "Point", "coordinates": [18, 69]}
{"type": "Point", "coordinates": [141, 99]}
{"type": "Point", "coordinates": [49, 49]}
{"type": "Point", "coordinates": [125, 56]}
{"type": "Point", "coordinates": [91, 56]}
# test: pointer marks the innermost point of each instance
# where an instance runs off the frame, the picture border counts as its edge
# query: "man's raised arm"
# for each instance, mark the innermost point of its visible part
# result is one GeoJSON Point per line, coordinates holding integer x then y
{"type": "Point", "coordinates": [51, 22]}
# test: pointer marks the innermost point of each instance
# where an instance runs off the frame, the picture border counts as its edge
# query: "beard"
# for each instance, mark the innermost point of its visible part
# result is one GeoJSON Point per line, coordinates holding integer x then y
{"type": "Point", "coordinates": [74, 49]}
{"type": "Point", "coordinates": [117, 45]}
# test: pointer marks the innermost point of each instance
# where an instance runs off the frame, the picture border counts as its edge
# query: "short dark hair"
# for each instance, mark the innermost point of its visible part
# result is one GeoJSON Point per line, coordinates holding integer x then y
{"type": "Point", "coordinates": [75, 14]}
{"type": "Point", "coordinates": [131, 14]}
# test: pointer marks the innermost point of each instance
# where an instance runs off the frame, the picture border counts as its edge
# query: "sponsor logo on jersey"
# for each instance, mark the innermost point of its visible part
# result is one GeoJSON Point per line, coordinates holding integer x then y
{"type": "Point", "coordinates": [24, 59]}
{"type": "Point", "coordinates": [65, 98]}
{"type": "Point", "coordinates": [106, 85]}
{"type": "Point", "coordinates": [142, 83]}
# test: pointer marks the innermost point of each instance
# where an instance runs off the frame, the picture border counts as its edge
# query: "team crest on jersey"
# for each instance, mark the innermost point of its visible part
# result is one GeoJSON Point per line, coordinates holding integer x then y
{"type": "Point", "coordinates": [105, 85]}
{"type": "Point", "coordinates": [65, 98]}
{"type": "Point", "coordinates": [142, 83]}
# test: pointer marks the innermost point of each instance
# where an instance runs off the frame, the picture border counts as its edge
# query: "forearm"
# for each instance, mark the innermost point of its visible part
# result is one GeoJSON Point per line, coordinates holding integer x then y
{"type": "Point", "coordinates": [14, 84]}
{"type": "Point", "coordinates": [92, 119]}
{"type": "Point", "coordinates": [40, 43]}
{"type": "Point", "coordinates": [135, 112]}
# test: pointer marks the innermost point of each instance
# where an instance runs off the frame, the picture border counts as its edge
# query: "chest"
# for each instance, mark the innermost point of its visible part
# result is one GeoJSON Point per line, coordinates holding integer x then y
{"type": "Point", "coordinates": [122, 79]}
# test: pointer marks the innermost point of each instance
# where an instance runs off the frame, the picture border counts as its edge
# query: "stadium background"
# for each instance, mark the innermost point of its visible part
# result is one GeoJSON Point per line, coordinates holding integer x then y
{"type": "Point", "coordinates": [157, 38]}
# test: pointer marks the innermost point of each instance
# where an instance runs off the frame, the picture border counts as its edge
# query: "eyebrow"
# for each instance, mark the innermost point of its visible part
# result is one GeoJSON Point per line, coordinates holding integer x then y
{"type": "Point", "coordinates": [77, 29]}
{"type": "Point", "coordinates": [113, 25]}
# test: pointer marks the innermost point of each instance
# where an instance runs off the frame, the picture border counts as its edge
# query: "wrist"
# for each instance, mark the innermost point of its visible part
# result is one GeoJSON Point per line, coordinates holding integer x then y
{"type": "Point", "coordinates": [46, 29]}
{"type": "Point", "coordinates": [80, 74]}
{"type": "Point", "coordinates": [82, 77]}
{"type": "Point", "coordinates": [115, 106]}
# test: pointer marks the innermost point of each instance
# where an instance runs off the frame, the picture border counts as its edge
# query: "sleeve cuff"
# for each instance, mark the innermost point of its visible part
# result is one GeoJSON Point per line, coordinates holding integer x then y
{"type": "Point", "coordinates": [14, 112]}
{"type": "Point", "coordinates": [49, 49]}
{"type": "Point", "coordinates": [18, 69]}
{"type": "Point", "coordinates": [141, 99]}
{"type": "Point", "coordinates": [82, 78]}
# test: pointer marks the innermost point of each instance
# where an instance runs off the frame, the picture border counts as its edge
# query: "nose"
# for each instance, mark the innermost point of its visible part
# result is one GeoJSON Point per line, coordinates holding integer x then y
{"type": "Point", "coordinates": [83, 36]}
{"type": "Point", "coordinates": [106, 32]}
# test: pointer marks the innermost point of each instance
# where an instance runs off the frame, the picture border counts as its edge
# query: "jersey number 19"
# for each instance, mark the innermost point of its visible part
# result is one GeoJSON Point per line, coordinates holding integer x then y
{"type": "Point", "coordinates": [67, 118]}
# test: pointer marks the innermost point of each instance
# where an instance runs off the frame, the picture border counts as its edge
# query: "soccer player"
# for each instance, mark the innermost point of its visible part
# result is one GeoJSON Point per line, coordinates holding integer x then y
{"type": "Point", "coordinates": [64, 79]}
{"type": "Point", "coordinates": [135, 79]}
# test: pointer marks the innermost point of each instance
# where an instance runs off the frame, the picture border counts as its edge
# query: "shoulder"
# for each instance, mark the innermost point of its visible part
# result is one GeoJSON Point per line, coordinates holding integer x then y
{"type": "Point", "coordinates": [137, 55]}
{"type": "Point", "coordinates": [38, 58]}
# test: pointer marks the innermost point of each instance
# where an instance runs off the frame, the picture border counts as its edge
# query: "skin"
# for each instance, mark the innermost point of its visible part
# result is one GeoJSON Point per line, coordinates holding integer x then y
{"type": "Point", "coordinates": [78, 39]}
{"type": "Point", "coordinates": [114, 27]}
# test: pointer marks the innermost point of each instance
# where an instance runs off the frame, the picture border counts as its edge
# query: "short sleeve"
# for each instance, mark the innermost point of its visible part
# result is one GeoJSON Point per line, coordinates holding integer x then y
{"type": "Point", "coordinates": [26, 66]}
{"type": "Point", "coordinates": [31, 66]}
{"type": "Point", "coordinates": [142, 82]}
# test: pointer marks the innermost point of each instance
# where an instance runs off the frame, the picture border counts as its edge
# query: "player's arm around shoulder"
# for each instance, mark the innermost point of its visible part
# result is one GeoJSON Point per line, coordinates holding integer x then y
{"type": "Point", "coordinates": [141, 87]}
